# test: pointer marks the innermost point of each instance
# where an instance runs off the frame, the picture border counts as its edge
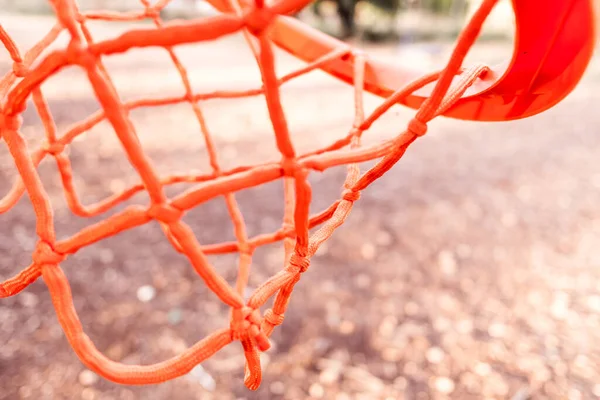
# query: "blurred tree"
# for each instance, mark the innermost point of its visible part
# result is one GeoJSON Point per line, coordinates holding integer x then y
{"type": "Point", "coordinates": [382, 14]}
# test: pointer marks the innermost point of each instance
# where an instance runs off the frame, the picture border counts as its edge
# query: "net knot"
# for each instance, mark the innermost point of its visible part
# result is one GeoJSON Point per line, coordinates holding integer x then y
{"type": "Point", "coordinates": [20, 69]}
{"type": "Point", "coordinates": [78, 55]}
{"type": "Point", "coordinates": [245, 248]}
{"type": "Point", "coordinates": [54, 148]}
{"type": "Point", "coordinates": [152, 12]}
{"type": "Point", "coordinates": [246, 321]}
{"type": "Point", "coordinates": [165, 213]}
{"type": "Point", "coordinates": [79, 17]}
{"type": "Point", "coordinates": [417, 127]}
{"type": "Point", "coordinates": [351, 195]}
{"type": "Point", "coordinates": [45, 254]}
{"type": "Point", "coordinates": [290, 167]}
{"type": "Point", "coordinates": [189, 97]}
{"type": "Point", "coordinates": [259, 19]}
{"type": "Point", "coordinates": [298, 264]}
{"type": "Point", "coordinates": [272, 318]}
{"type": "Point", "coordinates": [10, 122]}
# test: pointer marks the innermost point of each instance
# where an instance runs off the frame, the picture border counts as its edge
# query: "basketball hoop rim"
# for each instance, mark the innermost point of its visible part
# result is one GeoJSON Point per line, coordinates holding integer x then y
{"type": "Point", "coordinates": [552, 49]}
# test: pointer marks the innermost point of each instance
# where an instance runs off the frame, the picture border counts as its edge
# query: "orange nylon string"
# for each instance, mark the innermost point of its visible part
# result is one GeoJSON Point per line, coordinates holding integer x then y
{"type": "Point", "coordinates": [102, 206]}
{"type": "Point", "coordinates": [33, 184]}
{"type": "Point", "coordinates": [247, 324]}
{"type": "Point", "coordinates": [283, 297]}
{"type": "Point", "coordinates": [30, 56]}
{"type": "Point", "coordinates": [245, 257]}
{"type": "Point", "coordinates": [60, 293]}
{"type": "Point", "coordinates": [10, 46]}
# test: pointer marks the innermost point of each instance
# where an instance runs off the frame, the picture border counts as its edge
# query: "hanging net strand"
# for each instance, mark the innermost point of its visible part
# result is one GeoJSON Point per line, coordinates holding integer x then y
{"type": "Point", "coordinates": [247, 324]}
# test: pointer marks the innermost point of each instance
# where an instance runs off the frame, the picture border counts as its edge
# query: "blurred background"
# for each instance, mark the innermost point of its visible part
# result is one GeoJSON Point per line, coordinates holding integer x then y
{"type": "Point", "coordinates": [470, 271]}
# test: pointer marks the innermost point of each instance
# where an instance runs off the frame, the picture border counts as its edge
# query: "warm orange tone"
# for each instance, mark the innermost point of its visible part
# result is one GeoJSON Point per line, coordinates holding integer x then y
{"type": "Point", "coordinates": [531, 84]}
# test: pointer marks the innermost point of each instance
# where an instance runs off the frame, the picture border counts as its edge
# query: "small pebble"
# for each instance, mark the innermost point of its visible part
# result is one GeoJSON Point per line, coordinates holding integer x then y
{"type": "Point", "coordinates": [126, 394]}
{"type": "Point", "coordinates": [265, 359]}
{"type": "Point", "coordinates": [199, 374]}
{"type": "Point", "coordinates": [464, 326]}
{"type": "Point", "coordinates": [106, 256]}
{"type": "Point", "coordinates": [400, 383]}
{"type": "Point", "coordinates": [470, 382]}
{"type": "Point", "coordinates": [27, 299]}
{"type": "Point", "coordinates": [117, 185]}
{"type": "Point", "coordinates": [383, 238]}
{"type": "Point", "coordinates": [560, 306]}
{"type": "Point", "coordinates": [388, 326]}
{"type": "Point", "coordinates": [447, 263]}
{"type": "Point", "coordinates": [442, 324]}
{"type": "Point", "coordinates": [411, 369]}
{"type": "Point", "coordinates": [332, 319]}
{"type": "Point", "coordinates": [593, 303]}
{"type": "Point", "coordinates": [87, 377]}
{"type": "Point", "coordinates": [25, 391]}
{"type": "Point", "coordinates": [328, 286]}
{"type": "Point", "coordinates": [146, 293]}
{"type": "Point", "coordinates": [522, 394]}
{"type": "Point", "coordinates": [362, 281]}
{"type": "Point", "coordinates": [174, 317]}
{"type": "Point", "coordinates": [463, 250]}
{"type": "Point", "coordinates": [329, 376]}
{"type": "Point", "coordinates": [509, 219]}
{"type": "Point", "coordinates": [411, 308]}
{"type": "Point", "coordinates": [363, 380]}
{"type": "Point", "coordinates": [277, 388]}
{"type": "Point", "coordinates": [391, 354]}
{"type": "Point", "coordinates": [482, 369]}
{"type": "Point", "coordinates": [389, 370]}
{"type": "Point", "coordinates": [316, 391]}
{"type": "Point", "coordinates": [497, 330]}
{"type": "Point", "coordinates": [346, 327]}
{"type": "Point", "coordinates": [368, 251]}
{"type": "Point", "coordinates": [444, 385]}
{"type": "Point", "coordinates": [434, 355]}
{"type": "Point", "coordinates": [496, 385]}
{"type": "Point", "coordinates": [88, 394]}
{"type": "Point", "coordinates": [574, 394]}
{"type": "Point", "coordinates": [321, 345]}
{"type": "Point", "coordinates": [33, 323]}
{"type": "Point", "coordinates": [581, 361]}
{"type": "Point", "coordinates": [298, 373]}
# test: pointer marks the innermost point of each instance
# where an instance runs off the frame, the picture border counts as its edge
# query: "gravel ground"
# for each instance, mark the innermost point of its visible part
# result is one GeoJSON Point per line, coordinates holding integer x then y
{"type": "Point", "coordinates": [467, 272]}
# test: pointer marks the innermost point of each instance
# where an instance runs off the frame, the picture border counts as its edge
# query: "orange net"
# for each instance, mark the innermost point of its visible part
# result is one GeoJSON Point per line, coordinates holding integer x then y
{"type": "Point", "coordinates": [248, 325]}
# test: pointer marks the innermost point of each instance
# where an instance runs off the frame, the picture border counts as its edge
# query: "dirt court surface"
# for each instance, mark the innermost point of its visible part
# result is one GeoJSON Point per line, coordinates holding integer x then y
{"type": "Point", "coordinates": [469, 271]}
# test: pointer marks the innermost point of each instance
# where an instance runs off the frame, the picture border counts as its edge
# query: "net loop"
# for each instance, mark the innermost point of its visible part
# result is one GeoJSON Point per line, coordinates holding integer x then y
{"type": "Point", "coordinates": [272, 318]}
{"type": "Point", "coordinates": [44, 254]}
{"type": "Point", "coordinates": [245, 248]}
{"type": "Point", "coordinates": [290, 167]}
{"type": "Point", "coordinates": [246, 322]}
{"type": "Point", "coordinates": [151, 12]}
{"type": "Point", "coordinates": [165, 213]}
{"type": "Point", "coordinates": [78, 55]}
{"type": "Point", "coordinates": [20, 69]}
{"type": "Point", "coordinates": [351, 195]}
{"type": "Point", "coordinates": [417, 127]}
{"type": "Point", "coordinates": [259, 19]}
{"type": "Point", "coordinates": [298, 264]}
{"type": "Point", "coordinates": [10, 122]}
{"type": "Point", "coordinates": [54, 148]}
